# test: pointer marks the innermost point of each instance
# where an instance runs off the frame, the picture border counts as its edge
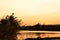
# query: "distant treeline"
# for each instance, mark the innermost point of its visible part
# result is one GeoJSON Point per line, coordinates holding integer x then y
{"type": "Point", "coordinates": [10, 26]}
{"type": "Point", "coordinates": [42, 27]}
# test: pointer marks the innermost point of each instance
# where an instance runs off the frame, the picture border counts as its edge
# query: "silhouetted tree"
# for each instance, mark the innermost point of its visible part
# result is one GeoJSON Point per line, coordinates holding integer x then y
{"type": "Point", "coordinates": [9, 27]}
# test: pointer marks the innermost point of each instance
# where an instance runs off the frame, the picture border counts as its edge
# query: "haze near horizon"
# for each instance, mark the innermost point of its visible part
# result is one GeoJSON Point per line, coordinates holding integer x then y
{"type": "Point", "coordinates": [32, 11]}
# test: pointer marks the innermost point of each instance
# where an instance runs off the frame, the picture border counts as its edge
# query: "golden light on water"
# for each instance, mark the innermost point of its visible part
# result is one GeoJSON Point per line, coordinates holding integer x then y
{"type": "Point", "coordinates": [34, 34]}
{"type": "Point", "coordinates": [33, 11]}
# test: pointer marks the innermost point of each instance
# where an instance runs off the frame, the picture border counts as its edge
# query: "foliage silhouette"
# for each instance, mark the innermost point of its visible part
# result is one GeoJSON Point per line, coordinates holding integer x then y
{"type": "Point", "coordinates": [9, 27]}
{"type": "Point", "coordinates": [42, 27]}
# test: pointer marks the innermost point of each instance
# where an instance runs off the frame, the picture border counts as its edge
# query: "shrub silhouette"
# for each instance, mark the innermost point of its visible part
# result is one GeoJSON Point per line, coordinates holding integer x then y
{"type": "Point", "coordinates": [9, 27]}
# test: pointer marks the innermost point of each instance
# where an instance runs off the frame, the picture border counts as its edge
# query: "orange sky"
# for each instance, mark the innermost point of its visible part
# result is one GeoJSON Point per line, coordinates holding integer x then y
{"type": "Point", "coordinates": [32, 11]}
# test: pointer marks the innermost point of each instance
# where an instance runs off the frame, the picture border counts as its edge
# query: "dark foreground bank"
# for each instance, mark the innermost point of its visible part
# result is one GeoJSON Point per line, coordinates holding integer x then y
{"type": "Point", "coordinates": [55, 38]}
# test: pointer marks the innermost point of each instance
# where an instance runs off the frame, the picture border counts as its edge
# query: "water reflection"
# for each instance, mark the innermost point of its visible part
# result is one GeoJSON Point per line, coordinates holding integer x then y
{"type": "Point", "coordinates": [23, 36]}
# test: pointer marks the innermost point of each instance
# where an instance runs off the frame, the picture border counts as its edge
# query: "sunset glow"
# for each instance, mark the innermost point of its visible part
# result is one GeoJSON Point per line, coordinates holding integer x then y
{"type": "Point", "coordinates": [32, 11]}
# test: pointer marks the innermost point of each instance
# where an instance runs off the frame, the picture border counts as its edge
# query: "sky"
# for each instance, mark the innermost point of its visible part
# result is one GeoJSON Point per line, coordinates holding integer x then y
{"type": "Point", "coordinates": [32, 11]}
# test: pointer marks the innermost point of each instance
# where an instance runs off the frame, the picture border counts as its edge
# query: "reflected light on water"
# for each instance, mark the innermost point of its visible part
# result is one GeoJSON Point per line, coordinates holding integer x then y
{"type": "Point", "coordinates": [26, 34]}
